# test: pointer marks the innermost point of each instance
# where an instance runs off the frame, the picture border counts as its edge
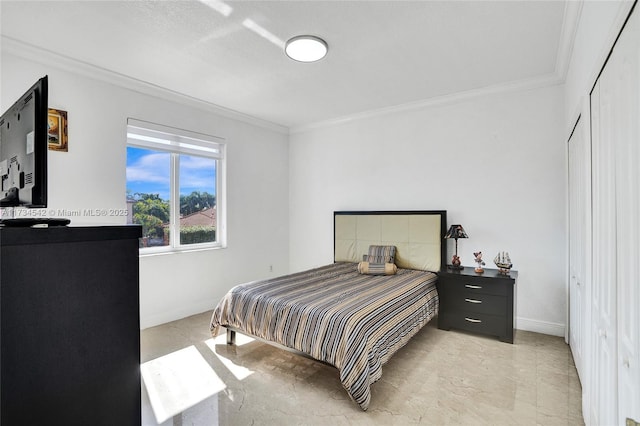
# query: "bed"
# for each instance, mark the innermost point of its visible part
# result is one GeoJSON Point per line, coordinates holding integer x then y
{"type": "Point", "coordinates": [339, 314]}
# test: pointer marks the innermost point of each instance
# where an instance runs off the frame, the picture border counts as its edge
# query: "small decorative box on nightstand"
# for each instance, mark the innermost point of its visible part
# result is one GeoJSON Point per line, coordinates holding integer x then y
{"type": "Point", "coordinates": [480, 303]}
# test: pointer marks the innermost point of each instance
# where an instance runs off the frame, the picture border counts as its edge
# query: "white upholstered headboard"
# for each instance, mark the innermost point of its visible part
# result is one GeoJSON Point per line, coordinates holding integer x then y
{"type": "Point", "coordinates": [417, 235]}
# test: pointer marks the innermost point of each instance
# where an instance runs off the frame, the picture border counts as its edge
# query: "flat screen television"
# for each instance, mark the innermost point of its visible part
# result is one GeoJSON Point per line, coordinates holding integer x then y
{"type": "Point", "coordinates": [24, 149]}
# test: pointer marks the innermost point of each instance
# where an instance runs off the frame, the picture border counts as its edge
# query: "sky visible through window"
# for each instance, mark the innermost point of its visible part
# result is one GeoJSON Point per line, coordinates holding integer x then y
{"type": "Point", "coordinates": [148, 173]}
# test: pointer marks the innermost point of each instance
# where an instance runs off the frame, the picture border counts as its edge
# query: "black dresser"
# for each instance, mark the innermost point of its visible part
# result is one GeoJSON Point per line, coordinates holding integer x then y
{"type": "Point", "coordinates": [69, 326]}
{"type": "Point", "coordinates": [480, 303]}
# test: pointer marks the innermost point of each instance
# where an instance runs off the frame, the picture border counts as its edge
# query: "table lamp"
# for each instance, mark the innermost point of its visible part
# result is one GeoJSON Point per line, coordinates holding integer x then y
{"type": "Point", "coordinates": [455, 232]}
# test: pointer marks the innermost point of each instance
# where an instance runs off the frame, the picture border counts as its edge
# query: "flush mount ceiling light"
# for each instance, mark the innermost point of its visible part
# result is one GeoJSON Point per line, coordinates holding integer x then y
{"type": "Point", "coordinates": [306, 48]}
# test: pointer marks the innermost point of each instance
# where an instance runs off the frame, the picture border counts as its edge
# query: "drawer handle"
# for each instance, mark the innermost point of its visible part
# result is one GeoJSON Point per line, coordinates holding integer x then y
{"type": "Point", "coordinates": [472, 286]}
{"type": "Point", "coordinates": [472, 320]}
{"type": "Point", "coordinates": [473, 301]}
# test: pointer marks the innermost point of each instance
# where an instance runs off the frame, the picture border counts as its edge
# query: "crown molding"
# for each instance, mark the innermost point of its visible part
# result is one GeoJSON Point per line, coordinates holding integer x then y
{"type": "Point", "coordinates": [546, 80]}
{"type": "Point", "coordinates": [570, 20]}
{"type": "Point", "coordinates": [43, 56]}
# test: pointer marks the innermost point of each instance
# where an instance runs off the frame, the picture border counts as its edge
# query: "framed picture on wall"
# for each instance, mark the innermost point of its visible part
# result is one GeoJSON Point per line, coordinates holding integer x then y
{"type": "Point", "coordinates": [57, 130]}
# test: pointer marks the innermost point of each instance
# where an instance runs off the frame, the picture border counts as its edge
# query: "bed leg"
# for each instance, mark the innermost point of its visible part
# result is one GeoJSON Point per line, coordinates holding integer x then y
{"type": "Point", "coordinates": [231, 337]}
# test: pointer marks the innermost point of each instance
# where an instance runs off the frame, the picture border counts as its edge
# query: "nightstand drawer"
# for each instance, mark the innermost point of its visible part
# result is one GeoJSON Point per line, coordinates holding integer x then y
{"type": "Point", "coordinates": [477, 322]}
{"type": "Point", "coordinates": [475, 285]}
{"type": "Point", "coordinates": [476, 302]}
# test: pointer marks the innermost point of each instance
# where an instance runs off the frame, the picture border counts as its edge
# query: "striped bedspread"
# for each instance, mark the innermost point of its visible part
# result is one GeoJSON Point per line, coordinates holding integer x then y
{"type": "Point", "coordinates": [334, 314]}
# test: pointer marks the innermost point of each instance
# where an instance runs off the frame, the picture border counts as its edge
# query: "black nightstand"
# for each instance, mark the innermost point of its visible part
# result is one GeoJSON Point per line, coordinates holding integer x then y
{"type": "Point", "coordinates": [480, 303]}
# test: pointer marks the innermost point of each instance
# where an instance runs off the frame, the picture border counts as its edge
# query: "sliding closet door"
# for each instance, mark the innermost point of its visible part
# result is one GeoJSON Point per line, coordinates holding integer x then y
{"type": "Point", "coordinates": [603, 377]}
{"type": "Point", "coordinates": [579, 244]}
{"type": "Point", "coordinates": [627, 175]}
{"type": "Point", "coordinates": [615, 102]}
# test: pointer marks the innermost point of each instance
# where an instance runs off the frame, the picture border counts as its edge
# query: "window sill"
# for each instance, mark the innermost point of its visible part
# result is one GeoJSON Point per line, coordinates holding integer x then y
{"type": "Point", "coordinates": [163, 251]}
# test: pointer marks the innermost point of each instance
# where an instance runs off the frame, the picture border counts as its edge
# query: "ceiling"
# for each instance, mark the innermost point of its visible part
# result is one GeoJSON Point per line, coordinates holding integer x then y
{"type": "Point", "coordinates": [382, 54]}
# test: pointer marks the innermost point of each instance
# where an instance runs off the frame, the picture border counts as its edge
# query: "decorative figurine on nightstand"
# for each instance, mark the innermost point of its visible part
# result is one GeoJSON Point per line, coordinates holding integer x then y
{"type": "Point", "coordinates": [479, 261]}
{"type": "Point", "coordinates": [503, 262]}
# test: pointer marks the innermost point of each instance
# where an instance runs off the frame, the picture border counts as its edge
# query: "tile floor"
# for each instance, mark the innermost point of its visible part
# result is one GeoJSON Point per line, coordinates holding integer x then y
{"type": "Point", "coordinates": [438, 378]}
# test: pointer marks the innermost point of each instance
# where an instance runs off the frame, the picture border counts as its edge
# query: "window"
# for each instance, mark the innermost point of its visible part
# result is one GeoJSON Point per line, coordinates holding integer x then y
{"type": "Point", "coordinates": [175, 187]}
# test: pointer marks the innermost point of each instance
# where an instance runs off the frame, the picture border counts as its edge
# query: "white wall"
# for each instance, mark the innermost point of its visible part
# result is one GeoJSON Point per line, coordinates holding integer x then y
{"type": "Point", "coordinates": [496, 164]}
{"type": "Point", "coordinates": [92, 175]}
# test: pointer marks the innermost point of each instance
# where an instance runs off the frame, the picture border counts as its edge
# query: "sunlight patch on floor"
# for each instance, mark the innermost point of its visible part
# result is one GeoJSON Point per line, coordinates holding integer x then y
{"type": "Point", "coordinates": [238, 371]}
{"type": "Point", "coordinates": [178, 381]}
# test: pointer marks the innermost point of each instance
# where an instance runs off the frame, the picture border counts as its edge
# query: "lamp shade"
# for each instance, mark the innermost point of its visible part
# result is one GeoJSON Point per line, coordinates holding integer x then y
{"type": "Point", "coordinates": [455, 232]}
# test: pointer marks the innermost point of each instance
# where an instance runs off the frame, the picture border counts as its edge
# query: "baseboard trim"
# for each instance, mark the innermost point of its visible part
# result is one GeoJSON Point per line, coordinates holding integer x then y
{"type": "Point", "coordinates": [151, 320]}
{"type": "Point", "coordinates": [543, 327]}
